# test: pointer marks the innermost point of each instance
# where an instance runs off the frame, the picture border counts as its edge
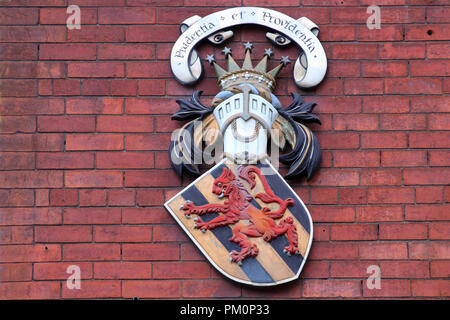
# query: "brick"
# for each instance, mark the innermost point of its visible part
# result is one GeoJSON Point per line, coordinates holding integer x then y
{"type": "Point", "coordinates": [151, 105]}
{"type": "Point", "coordinates": [58, 270]}
{"type": "Point", "coordinates": [291, 290]}
{"type": "Point", "coordinates": [321, 232]}
{"type": "Point", "coordinates": [30, 216]}
{"type": "Point", "coordinates": [157, 69]}
{"type": "Point", "coordinates": [381, 177]}
{"type": "Point", "coordinates": [152, 87]}
{"type": "Point", "coordinates": [122, 234]}
{"type": "Point", "coordinates": [95, 87]}
{"type": "Point", "coordinates": [384, 69]}
{"type": "Point", "coordinates": [150, 251]}
{"type": "Point", "coordinates": [159, 178]}
{"type": "Point", "coordinates": [92, 105]}
{"type": "Point", "coordinates": [65, 160]}
{"type": "Point", "coordinates": [125, 124]}
{"type": "Point", "coordinates": [354, 51]}
{"type": "Point", "coordinates": [150, 197]}
{"type": "Point", "coordinates": [42, 198]}
{"type": "Point", "coordinates": [16, 235]}
{"type": "Point", "coordinates": [30, 253]}
{"type": "Point", "coordinates": [16, 160]}
{"type": "Point", "coordinates": [121, 197]}
{"type": "Point", "coordinates": [402, 50]}
{"type": "Point", "coordinates": [383, 140]}
{"type": "Point", "coordinates": [336, 177]}
{"type": "Point", "coordinates": [331, 288]}
{"type": "Point", "coordinates": [151, 288]}
{"type": "Point", "coordinates": [18, 124]}
{"type": "Point", "coordinates": [403, 158]}
{"type": "Point", "coordinates": [428, 176]}
{"type": "Point", "coordinates": [386, 33]}
{"type": "Point", "coordinates": [31, 106]}
{"type": "Point", "coordinates": [403, 231]}
{"type": "Point", "coordinates": [93, 179]}
{"type": "Point", "coordinates": [338, 140]}
{"type": "Point", "coordinates": [66, 123]}
{"type": "Point", "coordinates": [404, 269]}
{"type": "Point", "coordinates": [383, 250]}
{"type": "Point", "coordinates": [26, 69]}
{"type": "Point", "coordinates": [429, 194]}
{"type": "Point", "coordinates": [430, 288]}
{"type": "Point", "coordinates": [403, 122]}
{"type": "Point", "coordinates": [385, 104]}
{"type": "Point", "coordinates": [169, 3]}
{"type": "Point", "coordinates": [378, 195]}
{"type": "Point", "coordinates": [18, 88]}
{"type": "Point", "coordinates": [438, 121]}
{"type": "Point", "coordinates": [438, 50]}
{"type": "Point", "coordinates": [324, 196]}
{"type": "Point", "coordinates": [440, 269]}
{"type": "Point", "coordinates": [63, 197]}
{"type": "Point", "coordinates": [66, 87]}
{"type": "Point", "coordinates": [32, 33]}
{"type": "Point", "coordinates": [18, 51]}
{"type": "Point", "coordinates": [439, 139]}
{"type": "Point", "coordinates": [427, 32]}
{"type": "Point", "coordinates": [315, 269]}
{"type": "Point", "coordinates": [413, 85]}
{"type": "Point", "coordinates": [94, 289]}
{"type": "Point", "coordinates": [332, 213]}
{"type": "Point", "coordinates": [128, 51]}
{"type": "Point", "coordinates": [350, 232]}
{"type": "Point", "coordinates": [91, 252]}
{"type": "Point", "coordinates": [92, 215]}
{"type": "Point", "coordinates": [181, 270]}
{"type": "Point", "coordinates": [356, 159]}
{"type": "Point", "coordinates": [92, 198]}
{"type": "Point", "coordinates": [389, 288]}
{"type": "Point", "coordinates": [210, 288]}
{"type": "Point", "coordinates": [361, 122]}
{"type": "Point", "coordinates": [350, 269]}
{"type": "Point", "coordinates": [379, 213]}
{"type": "Point", "coordinates": [31, 179]}
{"type": "Point", "coordinates": [334, 251]}
{"type": "Point", "coordinates": [163, 233]}
{"type": "Point", "coordinates": [63, 234]}
{"type": "Point", "coordinates": [338, 33]}
{"type": "Point", "coordinates": [30, 290]}
{"type": "Point", "coordinates": [76, 142]}
{"type": "Point", "coordinates": [427, 68]}
{"type": "Point", "coordinates": [439, 230]}
{"type": "Point", "coordinates": [15, 271]}
{"type": "Point", "coordinates": [96, 34]}
{"type": "Point", "coordinates": [31, 142]}
{"type": "Point", "coordinates": [122, 270]}
{"type": "Point", "coordinates": [429, 250]}
{"type": "Point", "coordinates": [96, 69]}
{"type": "Point", "coordinates": [16, 198]}
{"type": "Point", "coordinates": [426, 212]}
{"type": "Point", "coordinates": [67, 51]}
{"type": "Point", "coordinates": [123, 87]}
{"type": "Point", "coordinates": [353, 196]}
{"type": "Point", "coordinates": [60, 16]}
{"type": "Point", "coordinates": [145, 15]}
{"type": "Point", "coordinates": [157, 33]}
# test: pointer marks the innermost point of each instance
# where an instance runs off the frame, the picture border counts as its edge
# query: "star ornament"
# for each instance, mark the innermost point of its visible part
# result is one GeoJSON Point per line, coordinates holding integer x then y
{"type": "Point", "coordinates": [226, 51]}
{"type": "Point", "coordinates": [248, 46]}
{"type": "Point", "coordinates": [285, 60]}
{"type": "Point", "coordinates": [268, 52]}
{"type": "Point", "coordinates": [210, 58]}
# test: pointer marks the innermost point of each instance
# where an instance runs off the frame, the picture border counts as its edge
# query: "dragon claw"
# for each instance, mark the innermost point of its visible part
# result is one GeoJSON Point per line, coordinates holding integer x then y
{"type": "Point", "coordinates": [196, 219]}
{"type": "Point", "coordinates": [203, 230]}
{"type": "Point", "coordinates": [187, 216]}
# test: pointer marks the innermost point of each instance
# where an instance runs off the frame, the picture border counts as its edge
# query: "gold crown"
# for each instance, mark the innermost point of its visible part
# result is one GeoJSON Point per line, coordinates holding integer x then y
{"type": "Point", "coordinates": [237, 75]}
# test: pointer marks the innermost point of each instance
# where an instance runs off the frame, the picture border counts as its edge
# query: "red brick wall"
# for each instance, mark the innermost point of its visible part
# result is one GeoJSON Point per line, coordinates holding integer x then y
{"type": "Point", "coordinates": [85, 127]}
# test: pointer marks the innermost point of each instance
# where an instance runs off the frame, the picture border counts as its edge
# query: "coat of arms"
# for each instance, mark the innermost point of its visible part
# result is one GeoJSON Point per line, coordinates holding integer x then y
{"type": "Point", "coordinates": [241, 213]}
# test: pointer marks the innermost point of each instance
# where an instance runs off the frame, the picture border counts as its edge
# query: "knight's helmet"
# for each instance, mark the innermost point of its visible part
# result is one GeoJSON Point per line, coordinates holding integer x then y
{"type": "Point", "coordinates": [246, 109]}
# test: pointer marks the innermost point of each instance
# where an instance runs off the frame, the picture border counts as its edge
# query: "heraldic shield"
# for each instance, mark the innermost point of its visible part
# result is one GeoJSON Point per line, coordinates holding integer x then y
{"type": "Point", "coordinates": [242, 214]}
{"type": "Point", "coordinates": [251, 226]}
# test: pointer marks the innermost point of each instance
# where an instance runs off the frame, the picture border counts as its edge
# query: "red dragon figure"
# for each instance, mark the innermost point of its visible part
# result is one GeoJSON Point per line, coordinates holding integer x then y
{"type": "Point", "coordinates": [254, 222]}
